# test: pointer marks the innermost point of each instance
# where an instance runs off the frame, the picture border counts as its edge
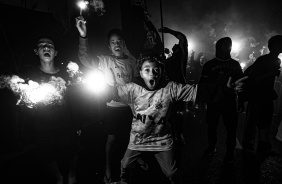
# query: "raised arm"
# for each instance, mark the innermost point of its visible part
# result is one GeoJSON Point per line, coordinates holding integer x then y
{"type": "Point", "coordinates": [83, 46]}
{"type": "Point", "coordinates": [183, 44]}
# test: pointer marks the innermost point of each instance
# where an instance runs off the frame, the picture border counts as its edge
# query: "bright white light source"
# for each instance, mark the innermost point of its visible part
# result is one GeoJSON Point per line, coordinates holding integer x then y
{"type": "Point", "coordinates": [236, 47]}
{"type": "Point", "coordinates": [95, 81]}
{"type": "Point", "coordinates": [280, 57]}
{"type": "Point", "coordinates": [40, 94]}
{"type": "Point", "coordinates": [82, 4]}
{"type": "Point", "coordinates": [243, 65]}
{"type": "Point", "coordinates": [191, 46]}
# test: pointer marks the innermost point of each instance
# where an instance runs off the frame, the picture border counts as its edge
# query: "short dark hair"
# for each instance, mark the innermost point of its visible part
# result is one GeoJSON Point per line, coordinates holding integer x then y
{"type": "Point", "coordinates": [46, 36]}
{"type": "Point", "coordinates": [151, 56]}
{"type": "Point", "coordinates": [224, 44]}
{"type": "Point", "coordinates": [275, 42]}
{"type": "Point", "coordinates": [115, 32]}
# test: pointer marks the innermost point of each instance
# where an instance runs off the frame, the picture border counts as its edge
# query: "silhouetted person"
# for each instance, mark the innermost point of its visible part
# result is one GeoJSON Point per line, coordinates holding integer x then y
{"type": "Point", "coordinates": [260, 95]}
{"type": "Point", "coordinates": [177, 62]}
{"type": "Point", "coordinates": [176, 71]}
{"type": "Point", "coordinates": [221, 101]}
{"type": "Point", "coordinates": [197, 65]}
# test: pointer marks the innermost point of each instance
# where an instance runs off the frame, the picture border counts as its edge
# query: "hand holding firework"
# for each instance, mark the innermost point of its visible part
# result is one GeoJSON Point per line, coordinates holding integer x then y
{"type": "Point", "coordinates": [81, 26]}
{"type": "Point", "coordinates": [94, 80]}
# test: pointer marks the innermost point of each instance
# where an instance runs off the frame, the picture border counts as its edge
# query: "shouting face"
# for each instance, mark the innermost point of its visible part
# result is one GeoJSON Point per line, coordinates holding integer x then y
{"type": "Point", "coordinates": [151, 73]}
{"type": "Point", "coordinates": [117, 45]}
{"type": "Point", "coordinates": [46, 50]}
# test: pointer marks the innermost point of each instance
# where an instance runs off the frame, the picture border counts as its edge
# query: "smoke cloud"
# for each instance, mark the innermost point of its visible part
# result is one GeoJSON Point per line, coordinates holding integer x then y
{"type": "Point", "coordinates": [250, 22]}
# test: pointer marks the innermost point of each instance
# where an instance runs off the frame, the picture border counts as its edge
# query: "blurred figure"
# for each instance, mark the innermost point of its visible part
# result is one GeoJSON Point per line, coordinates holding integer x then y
{"type": "Point", "coordinates": [260, 95]}
{"type": "Point", "coordinates": [197, 65]}
{"type": "Point", "coordinates": [221, 101]}
{"type": "Point", "coordinates": [176, 70]}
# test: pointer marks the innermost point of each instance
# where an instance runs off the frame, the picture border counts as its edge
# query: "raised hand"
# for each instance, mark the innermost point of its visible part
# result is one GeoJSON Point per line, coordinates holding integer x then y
{"type": "Point", "coordinates": [238, 85]}
{"type": "Point", "coordinates": [81, 26]}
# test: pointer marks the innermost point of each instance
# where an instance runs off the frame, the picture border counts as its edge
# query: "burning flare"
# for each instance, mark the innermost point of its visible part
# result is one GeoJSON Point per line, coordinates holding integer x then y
{"type": "Point", "coordinates": [32, 93]}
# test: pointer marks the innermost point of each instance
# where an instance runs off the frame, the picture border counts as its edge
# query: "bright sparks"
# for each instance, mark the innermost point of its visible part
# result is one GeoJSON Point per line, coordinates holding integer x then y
{"type": "Point", "coordinates": [41, 93]}
{"type": "Point", "coordinates": [33, 93]}
{"type": "Point", "coordinates": [74, 73]}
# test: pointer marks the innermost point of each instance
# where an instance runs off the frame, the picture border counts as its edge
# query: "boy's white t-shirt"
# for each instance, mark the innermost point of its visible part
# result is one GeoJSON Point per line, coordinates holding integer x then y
{"type": "Point", "coordinates": [151, 125]}
{"type": "Point", "coordinates": [116, 70]}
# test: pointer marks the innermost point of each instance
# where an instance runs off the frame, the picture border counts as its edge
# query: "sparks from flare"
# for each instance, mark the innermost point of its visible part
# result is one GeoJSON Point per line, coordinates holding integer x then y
{"type": "Point", "coordinates": [32, 93]}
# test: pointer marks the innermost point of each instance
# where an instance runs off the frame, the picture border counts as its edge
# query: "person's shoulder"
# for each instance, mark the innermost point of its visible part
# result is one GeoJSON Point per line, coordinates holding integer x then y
{"type": "Point", "coordinates": [236, 62]}
{"type": "Point", "coordinates": [210, 62]}
{"type": "Point", "coordinates": [131, 59]}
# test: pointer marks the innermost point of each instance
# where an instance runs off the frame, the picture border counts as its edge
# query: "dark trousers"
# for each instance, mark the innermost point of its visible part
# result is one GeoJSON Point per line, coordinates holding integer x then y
{"type": "Point", "coordinates": [166, 160]}
{"type": "Point", "coordinates": [258, 116]}
{"type": "Point", "coordinates": [230, 120]}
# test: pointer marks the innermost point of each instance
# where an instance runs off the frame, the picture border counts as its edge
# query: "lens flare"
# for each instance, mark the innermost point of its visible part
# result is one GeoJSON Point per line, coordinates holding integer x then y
{"type": "Point", "coordinates": [95, 81]}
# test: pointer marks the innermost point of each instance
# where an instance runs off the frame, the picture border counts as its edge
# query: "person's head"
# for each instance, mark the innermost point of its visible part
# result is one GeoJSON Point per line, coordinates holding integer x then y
{"type": "Point", "coordinates": [275, 44]}
{"type": "Point", "coordinates": [116, 42]}
{"type": "Point", "coordinates": [223, 48]}
{"type": "Point", "coordinates": [150, 66]}
{"type": "Point", "coordinates": [45, 48]}
{"type": "Point", "coordinates": [203, 60]}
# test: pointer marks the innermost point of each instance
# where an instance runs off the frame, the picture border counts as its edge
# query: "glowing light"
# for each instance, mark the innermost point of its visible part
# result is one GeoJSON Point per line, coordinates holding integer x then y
{"type": "Point", "coordinates": [191, 46]}
{"type": "Point", "coordinates": [236, 46]}
{"type": "Point", "coordinates": [82, 5]}
{"type": "Point", "coordinates": [32, 93]}
{"type": "Point", "coordinates": [95, 81]}
{"type": "Point", "coordinates": [41, 93]}
{"type": "Point", "coordinates": [74, 72]}
{"type": "Point", "coordinates": [280, 57]}
{"type": "Point", "coordinates": [243, 65]}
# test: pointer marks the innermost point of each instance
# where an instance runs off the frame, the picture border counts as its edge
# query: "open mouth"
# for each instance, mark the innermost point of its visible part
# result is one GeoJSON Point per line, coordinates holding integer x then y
{"type": "Point", "coordinates": [152, 82]}
{"type": "Point", "coordinates": [117, 48]}
{"type": "Point", "coordinates": [46, 54]}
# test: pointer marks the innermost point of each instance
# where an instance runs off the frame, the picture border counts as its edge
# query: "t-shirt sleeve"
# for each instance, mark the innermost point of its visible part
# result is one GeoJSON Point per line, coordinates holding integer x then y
{"type": "Point", "coordinates": [183, 92]}
{"type": "Point", "coordinates": [125, 92]}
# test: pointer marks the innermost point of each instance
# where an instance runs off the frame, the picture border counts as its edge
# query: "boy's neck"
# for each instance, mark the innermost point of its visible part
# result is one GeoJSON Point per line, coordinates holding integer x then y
{"type": "Point", "coordinates": [123, 56]}
{"type": "Point", "coordinates": [48, 67]}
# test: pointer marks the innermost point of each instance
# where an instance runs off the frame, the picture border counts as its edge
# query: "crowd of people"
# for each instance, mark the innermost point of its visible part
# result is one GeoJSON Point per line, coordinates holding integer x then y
{"type": "Point", "coordinates": [146, 100]}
